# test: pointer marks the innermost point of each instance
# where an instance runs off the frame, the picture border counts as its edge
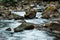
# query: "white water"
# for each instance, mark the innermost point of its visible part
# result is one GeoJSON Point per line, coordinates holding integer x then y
{"type": "Point", "coordinates": [34, 35]}
{"type": "Point", "coordinates": [26, 34]}
{"type": "Point", "coordinates": [37, 21]}
{"type": "Point", "coordinates": [38, 14]}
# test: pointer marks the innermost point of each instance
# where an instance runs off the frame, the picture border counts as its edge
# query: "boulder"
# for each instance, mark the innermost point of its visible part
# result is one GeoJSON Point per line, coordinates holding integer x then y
{"type": "Point", "coordinates": [53, 26]}
{"type": "Point", "coordinates": [54, 29]}
{"type": "Point", "coordinates": [24, 26]}
{"type": "Point", "coordinates": [30, 14]}
{"type": "Point", "coordinates": [50, 12]}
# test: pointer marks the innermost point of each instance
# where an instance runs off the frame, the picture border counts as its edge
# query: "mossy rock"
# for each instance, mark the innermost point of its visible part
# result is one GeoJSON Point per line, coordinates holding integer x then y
{"type": "Point", "coordinates": [50, 9]}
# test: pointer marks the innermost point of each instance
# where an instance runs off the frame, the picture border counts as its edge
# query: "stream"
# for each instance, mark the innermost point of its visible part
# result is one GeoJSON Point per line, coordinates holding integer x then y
{"type": "Point", "coordinates": [26, 34]}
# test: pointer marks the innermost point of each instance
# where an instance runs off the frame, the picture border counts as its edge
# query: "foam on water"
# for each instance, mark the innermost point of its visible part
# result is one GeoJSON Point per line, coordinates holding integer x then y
{"type": "Point", "coordinates": [37, 21]}
{"type": "Point", "coordinates": [31, 35]}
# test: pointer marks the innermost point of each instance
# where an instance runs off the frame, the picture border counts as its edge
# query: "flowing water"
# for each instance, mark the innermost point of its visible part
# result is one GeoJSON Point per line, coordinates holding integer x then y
{"type": "Point", "coordinates": [26, 34]}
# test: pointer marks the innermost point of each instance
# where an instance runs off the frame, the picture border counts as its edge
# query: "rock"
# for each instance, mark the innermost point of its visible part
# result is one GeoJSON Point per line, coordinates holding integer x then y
{"type": "Point", "coordinates": [54, 29]}
{"type": "Point", "coordinates": [50, 8]}
{"type": "Point", "coordinates": [29, 27]}
{"type": "Point", "coordinates": [8, 29]}
{"type": "Point", "coordinates": [30, 14]}
{"type": "Point", "coordinates": [24, 26]}
{"type": "Point", "coordinates": [50, 12]}
{"type": "Point", "coordinates": [53, 26]}
{"type": "Point", "coordinates": [16, 17]}
{"type": "Point", "coordinates": [45, 16]}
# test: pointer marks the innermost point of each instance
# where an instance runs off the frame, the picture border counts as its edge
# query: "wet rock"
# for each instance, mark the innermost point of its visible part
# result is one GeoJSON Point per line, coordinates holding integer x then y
{"type": "Point", "coordinates": [53, 26]}
{"type": "Point", "coordinates": [30, 14]}
{"type": "Point", "coordinates": [8, 29]}
{"type": "Point", "coordinates": [24, 26]}
{"type": "Point", "coordinates": [29, 27]}
{"type": "Point", "coordinates": [14, 16]}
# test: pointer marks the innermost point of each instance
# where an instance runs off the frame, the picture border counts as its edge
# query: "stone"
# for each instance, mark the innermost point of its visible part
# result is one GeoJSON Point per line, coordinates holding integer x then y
{"type": "Point", "coordinates": [51, 12]}
{"type": "Point", "coordinates": [45, 16]}
{"type": "Point", "coordinates": [16, 17]}
{"type": "Point", "coordinates": [24, 26]}
{"type": "Point", "coordinates": [8, 29]}
{"type": "Point", "coordinates": [30, 14]}
{"type": "Point", "coordinates": [53, 26]}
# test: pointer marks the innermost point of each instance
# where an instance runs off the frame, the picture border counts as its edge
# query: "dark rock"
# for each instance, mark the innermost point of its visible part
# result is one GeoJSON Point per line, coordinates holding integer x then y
{"type": "Point", "coordinates": [57, 38]}
{"type": "Point", "coordinates": [29, 27]}
{"type": "Point", "coordinates": [54, 29]}
{"type": "Point", "coordinates": [31, 14]}
{"type": "Point", "coordinates": [53, 26]}
{"type": "Point", "coordinates": [17, 30]}
{"type": "Point", "coordinates": [8, 29]}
